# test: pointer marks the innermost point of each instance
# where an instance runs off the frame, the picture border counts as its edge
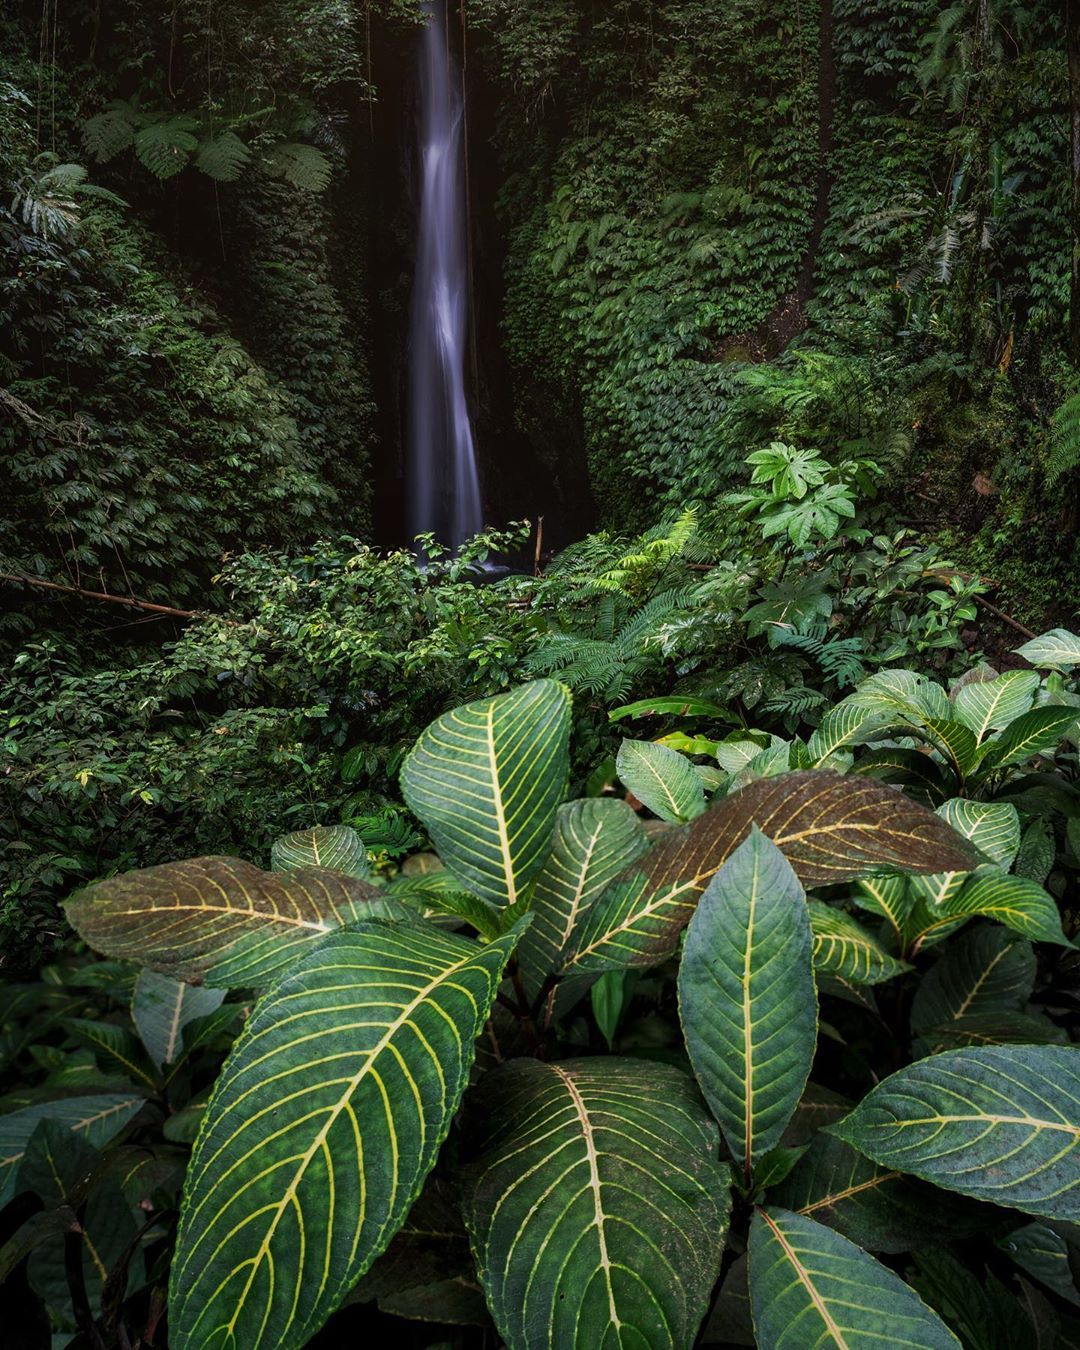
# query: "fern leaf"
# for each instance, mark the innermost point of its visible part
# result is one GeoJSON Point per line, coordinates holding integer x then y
{"type": "Point", "coordinates": [222, 157]}
{"type": "Point", "coordinates": [165, 148]}
{"type": "Point", "coordinates": [105, 135]}
{"type": "Point", "coordinates": [1063, 446]}
{"type": "Point", "coordinates": [304, 166]}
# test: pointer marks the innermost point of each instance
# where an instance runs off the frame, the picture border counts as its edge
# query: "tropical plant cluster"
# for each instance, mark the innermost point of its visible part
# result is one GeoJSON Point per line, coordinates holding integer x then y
{"type": "Point", "coordinates": [748, 1055]}
{"type": "Point", "coordinates": [652, 923]}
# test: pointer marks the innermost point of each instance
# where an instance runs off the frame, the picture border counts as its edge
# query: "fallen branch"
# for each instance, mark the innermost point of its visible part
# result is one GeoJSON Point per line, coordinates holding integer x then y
{"type": "Point", "coordinates": [132, 602]}
{"type": "Point", "coordinates": [1005, 618]}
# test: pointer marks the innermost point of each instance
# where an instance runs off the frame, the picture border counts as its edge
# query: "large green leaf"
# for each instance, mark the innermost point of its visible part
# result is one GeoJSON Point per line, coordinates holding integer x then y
{"type": "Point", "coordinates": [1017, 903]}
{"type": "Point", "coordinates": [1059, 650]}
{"type": "Point", "coordinates": [94, 1119]}
{"type": "Point", "coordinates": [221, 921]}
{"type": "Point", "coordinates": [1034, 733]}
{"type": "Point", "coordinates": [338, 847]}
{"type": "Point", "coordinates": [811, 1287]}
{"type": "Point", "coordinates": [990, 705]}
{"type": "Point", "coordinates": [162, 1007]}
{"type": "Point", "coordinates": [993, 827]}
{"type": "Point", "coordinates": [842, 947]}
{"type": "Point", "coordinates": [999, 1123]}
{"type": "Point", "coordinates": [877, 1207]}
{"type": "Point", "coordinates": [487, 779]}
{"type": "Point", "coordinates": [661, 779]}
{"type": "Point", "coordinates": [746, 997]}
{"type": "Point", "coordinates": [595, 839]}
{"type": "Point", "coordinates": [327, 1117]}
{"type": "Point", "coordinates": [831, 827]}
{"type": "Point", "coordinates": [846, 724]}
{"type": "Point", "coordinates": [598, 1208]}
{"type": "Point", "coordinates": [986, 969]}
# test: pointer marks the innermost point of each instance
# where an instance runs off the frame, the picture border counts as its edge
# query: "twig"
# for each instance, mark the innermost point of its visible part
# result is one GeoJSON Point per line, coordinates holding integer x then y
{"type": "Point", "coordinates": [1005, 618]}
{"type": "Point", "coordinates": [539, 545]}
{"type": "Point", "coordinates": [132, 602]}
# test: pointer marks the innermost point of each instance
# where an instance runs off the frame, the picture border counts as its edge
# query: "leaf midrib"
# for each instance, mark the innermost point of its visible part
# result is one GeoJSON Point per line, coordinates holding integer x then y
{"type": "Point", "coordinates": [289, 1196]}
{"type": "Point", "coordinates": [592, 1157]}
{"type": "Point", "coordinates": [804, 1279]}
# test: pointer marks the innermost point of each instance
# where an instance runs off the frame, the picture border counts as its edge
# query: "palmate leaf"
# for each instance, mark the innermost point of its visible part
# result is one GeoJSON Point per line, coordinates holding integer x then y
{"type": "Point", "coordinates": [877, 1207]}
{"type": "Point", "coordinates": [842, 947]}
{"type": "Point", "coordinates": [486, 780]}
{"type": "Point", "coordinates": [327, 1117]}
{"type": "Point", "coordinates": [811, 1287]}
{"type": "Point", "coordinates": [222, 157]}
{"type": "Point", "coordinates": [595, 839]}
{"type": "Point", "coordinates": [999, 1123]}
{"type": "Point", "coordinates": [94, 1119]}
{"type": "Point", "coordinates": [221, 921]}
{"type": "Point", "coordinates": [831, 827]}
{"type": "Point", "coordinates": [746, 997]}
{"type": "Point", "coordinates": [661, 779]}
{"type": "Point", "coordinates": [162, 1007]}
{"type": "Point", "coordinates": [304, 166]}
{"type": "Point", "coordinates": [337, 847]}
{"type": "Point", "coordinates": [166, 146]}
{"type": "Point", "coordinates": [598, 1207]}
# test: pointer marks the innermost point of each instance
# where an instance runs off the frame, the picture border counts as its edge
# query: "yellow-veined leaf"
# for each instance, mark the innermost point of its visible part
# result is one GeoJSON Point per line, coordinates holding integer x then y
{"type": "Point", "coordinates": [831, 827]}
{"type": "Point", "coordinates": [746, 997]}
{"type": "Point", "coordinates": [221, 921]}
{"type": "Point", "coordinates": [811, 1287]}
{"type": "Point", "coordinates": [598, 1207]}
{"type": "Point", "coordinates": [324, 1123]}
{"type": "Point", "coordinates": [999, 1123]}
{"type": "Point", "coordinates": [486, 780]}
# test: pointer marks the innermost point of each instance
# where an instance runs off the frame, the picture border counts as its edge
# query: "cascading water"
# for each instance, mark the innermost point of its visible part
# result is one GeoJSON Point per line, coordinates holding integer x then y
{"type": "Point", "coordinates": [443, 481]}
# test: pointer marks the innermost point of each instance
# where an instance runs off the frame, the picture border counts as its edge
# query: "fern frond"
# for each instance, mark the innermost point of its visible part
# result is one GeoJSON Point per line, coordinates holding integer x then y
{"type": "Point", "coordinates": [1063, 444]}
{"type": "Point", "coordinates": [304, 166]}
{"type": "Point", "coordinates": [222, 157]}
{"type": "Point", "coordinates": [107, 134]}
{"type": "Point", "coordinates": [166, 147]}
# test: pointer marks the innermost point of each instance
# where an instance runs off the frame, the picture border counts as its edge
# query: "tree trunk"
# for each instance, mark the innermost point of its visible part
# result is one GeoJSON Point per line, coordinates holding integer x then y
{"type": "Point", "coordinates": [1072, 42]}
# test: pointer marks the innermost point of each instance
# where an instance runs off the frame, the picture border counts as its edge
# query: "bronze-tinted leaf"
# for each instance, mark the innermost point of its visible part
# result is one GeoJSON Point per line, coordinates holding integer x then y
{"type": "Point", "coordinates": [221, 921]}
{"type": "Point", "coordinates": [832, 827]}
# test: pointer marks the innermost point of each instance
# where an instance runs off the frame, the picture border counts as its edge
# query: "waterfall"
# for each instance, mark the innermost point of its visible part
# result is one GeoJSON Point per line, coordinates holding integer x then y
{"type": "Point", "coordinates": [443, 482]}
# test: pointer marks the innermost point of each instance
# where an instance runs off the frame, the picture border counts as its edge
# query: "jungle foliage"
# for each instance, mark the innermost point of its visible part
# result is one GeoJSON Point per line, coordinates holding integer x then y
{"type": "Point", "coordinates": [693, 1094]}
{"type": "Point", "coordinates": [649, 942]}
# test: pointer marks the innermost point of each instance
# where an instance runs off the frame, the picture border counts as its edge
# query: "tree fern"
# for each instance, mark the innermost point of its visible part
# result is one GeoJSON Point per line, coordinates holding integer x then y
{"type": "Point", "coordinates": [108, 133]}
{"type": "Point", "coordinates": [222, 157]}
{"type": "Point", "coordinates": [304, 166]}
{"type": "Point", "coordinates": [165, 147]}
